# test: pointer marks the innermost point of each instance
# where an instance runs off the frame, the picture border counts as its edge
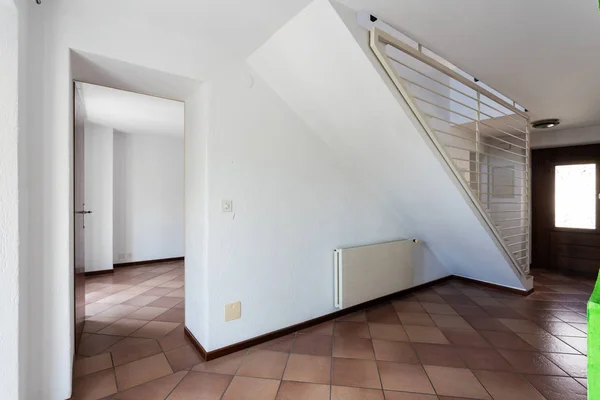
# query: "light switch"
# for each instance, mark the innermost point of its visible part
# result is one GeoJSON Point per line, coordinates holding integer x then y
{"type": "Point", "coordinates": [233, 311]}
{"type": "Point", "coordinates": [227, 206]}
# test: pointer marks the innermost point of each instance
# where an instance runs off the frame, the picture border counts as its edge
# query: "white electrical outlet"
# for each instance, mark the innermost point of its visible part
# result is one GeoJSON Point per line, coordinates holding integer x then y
{"type": "Point", "coordinates": [233, 311]}
{"type": "Point", "coordinates": [227, 206]}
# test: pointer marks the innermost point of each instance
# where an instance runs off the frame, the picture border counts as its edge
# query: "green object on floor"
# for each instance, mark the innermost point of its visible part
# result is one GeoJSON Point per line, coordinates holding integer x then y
{"type": "Point", "coordinates": [593, 315]}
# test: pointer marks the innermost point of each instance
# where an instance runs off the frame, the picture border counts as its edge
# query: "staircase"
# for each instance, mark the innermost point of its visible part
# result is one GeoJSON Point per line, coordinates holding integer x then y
{"type": "Point", "coordinates": [481, 134]}
{"type": "Point", "coordinates": [450, 154]}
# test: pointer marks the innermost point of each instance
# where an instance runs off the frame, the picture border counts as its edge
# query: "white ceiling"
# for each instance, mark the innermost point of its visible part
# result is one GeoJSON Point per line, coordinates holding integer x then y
{"type": "Point", "coordinates": [544, 54]}
{"type": "Point", "coordinates": [131, 112]}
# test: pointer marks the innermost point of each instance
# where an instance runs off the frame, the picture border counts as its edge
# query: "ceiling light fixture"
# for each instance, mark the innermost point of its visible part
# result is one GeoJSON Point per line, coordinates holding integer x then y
{"type": "Point", "coordinates": [545, 123]}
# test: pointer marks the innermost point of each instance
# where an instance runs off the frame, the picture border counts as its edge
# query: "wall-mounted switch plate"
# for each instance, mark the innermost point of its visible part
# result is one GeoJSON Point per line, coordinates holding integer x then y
{"type": "Point", "coordinates": [233, 311]}
{"type": "Point", "coordinates": [227, 206]}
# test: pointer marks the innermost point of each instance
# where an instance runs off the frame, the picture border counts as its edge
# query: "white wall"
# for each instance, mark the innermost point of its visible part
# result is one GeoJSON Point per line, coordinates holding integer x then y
{"type": "Point", "coordinates": [9, 200]}
{"type": "Point", "coordinates": [98, 197]}
{"type": "Point", "coordinates": [148, 197]}
{"type": "Point", "coordinates": [378, 134]}
{"type": "Point", "coordinates": [293, 203]}
{"type": "Point", "coordinates": [565, 137]}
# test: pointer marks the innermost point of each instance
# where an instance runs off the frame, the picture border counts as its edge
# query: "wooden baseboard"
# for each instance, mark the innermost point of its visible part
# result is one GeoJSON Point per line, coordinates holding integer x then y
{"type": "Point", "coordinates": [494, 286]}
{"type": "Point", "coordinates": [223, 351]}
{"type": "Point", "coordinates": [101, 272]}
{"type": "Point", "coordinates": [135, 263]}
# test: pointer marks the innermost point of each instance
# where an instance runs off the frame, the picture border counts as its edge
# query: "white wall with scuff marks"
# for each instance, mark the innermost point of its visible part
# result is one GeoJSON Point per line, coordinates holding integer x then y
{"type": "Point", "coordinates": [10, 77]}
{"type": "Point", "coordinates": [148, 197]}
{"type": "Point", "coordinates": [98, 197]}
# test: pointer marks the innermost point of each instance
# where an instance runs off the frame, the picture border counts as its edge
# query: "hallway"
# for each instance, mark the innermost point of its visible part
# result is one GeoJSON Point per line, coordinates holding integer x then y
{"type": "Point", "coordinates": [452, 340]}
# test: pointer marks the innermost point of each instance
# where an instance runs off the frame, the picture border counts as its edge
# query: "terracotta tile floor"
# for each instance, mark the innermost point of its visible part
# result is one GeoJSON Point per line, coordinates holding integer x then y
{"type": "Point", "coordinates": [450, 341]}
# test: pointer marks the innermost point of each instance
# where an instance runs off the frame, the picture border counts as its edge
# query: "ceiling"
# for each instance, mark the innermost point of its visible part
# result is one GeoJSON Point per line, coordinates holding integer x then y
{"type": "Point", "coordinates": [544, 54]}
{"type": "Point", "coordinates": [131, 112]}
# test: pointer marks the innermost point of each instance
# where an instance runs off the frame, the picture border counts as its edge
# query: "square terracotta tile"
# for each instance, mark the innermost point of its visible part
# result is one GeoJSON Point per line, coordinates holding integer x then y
{"type": "Point", "coordinates": [357, 373]}
{"type": "Point", "coordinates": [141, 300]}
{"type": "Point", "coordinates": [351, 347]}
{"type": "Point", "coordinates": [457, 382]}
{"type": "Point", "coordinates": [172, 284]}
{"type": "Point", "coordinates": [356, 329]}
{"type": "Point", "coordinates": [227, 365]}
{"type": "Point", "coordinates": [425, 334]}
{"type": "Point", "coordinates": [389, 395]}
{"type": "Point", "coordinates": [300, 391]}
{"type": "Point", "coordinates": [117, 298]}
{"type": "Point", "coordinates": [96, 308]}
{"type": "Point", "coordinates": [470, 338]}
{"type": "Point", "coordinates": [94, 324]}
{"type": "Point", "coordinates": [244, 388]}
{"type": "Point", "coordinates": [506, 340]}
{"type": "Point", "coordinates": [155, 329]}
{"type": "Point", "coordinates": [89, 365]}
{"type": "Point", "coordinates": [353, 393]}
{"type": "Point", "coordinates": [578, 343]}
{"type": "Point", "coordinates": [200, 385]}
{"type": "Point", "coordinates": [484, 359]}
{"type": "Point", "coordinates": [165, 302]}
{"type": "Point", "coordinates": [175, 338]}
{"type": "Point", "coordinates": [158, 291]}
{"type": "Point", "coordinates": [570, 316]}
{"type": "Point", "coordinates": [157, 389]}
{"type": "Point", "coordinates": [416, 319]}
{"type": "Point", "coordinates": [531, 363]}
{"type": "Point", "coordinates": [305, 368]}
{"type": "Point", "coordinates": [435, 308]}
{"type": "Point", "coordinates": [326, 328]}
{"type": "Point", "coordinates": [561, 329]}
{"type": "Point", "coordinates": [311, 344]}
{"type": "Point", "coordinates": [507, 386]}
{"type": "Point", "coordinates": [573, 364]}
{"type": "Point", "coordinates": [486, 323]}
{"type": "Point", "coordinates": [404, 377]}
{"type": "Point", "coordinates": [558, 388]}
{"type": "Point", "coordinates": [94, 386]}
{"type": "Point", "coordinates": [177, 293]}
{"type": "Point", "coordinates": [94, 344]}
{"type": "Point", "coordinates": [438, 354]}
{"type": "Point", "coordinates": [263, 364]}
{"type": "Point", "coordinates": [521, 326]}
{"type": "Point", "coordinates": [388, 332]}
{"type": "Point", "coordinates": [133, 349]}
{"type": "Point", "coordinates": [384, 314]}
{"type": "Point", "coordinates": [395, 351]}
{"type": "Point", "coordinates": [183, 358]}
{"type": "Point", "coordinates": [123, 327]}
{"type": "Point", "coordinates": [450, 321]}
{"type": "Point", "coordinates": [358, 316]}
{"type": "Point", "coordinates": [282, 344]}
{"type": "Point", "coordinates": [547, 343]}
{"type": "Point", "coordinates": [172, 315]}
{"type": "Point", "coordinates": [147, 313]}
{"type": "Point", "coordinates": [142, 371]}
{"type": "Point", "coordinates": [413, 307]}
{"type": "Point", "coordinates": [118, 311]}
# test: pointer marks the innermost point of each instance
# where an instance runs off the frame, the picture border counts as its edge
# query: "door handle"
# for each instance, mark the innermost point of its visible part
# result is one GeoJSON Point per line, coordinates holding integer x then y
{"type": "Point", "coordinates": [83, 212]}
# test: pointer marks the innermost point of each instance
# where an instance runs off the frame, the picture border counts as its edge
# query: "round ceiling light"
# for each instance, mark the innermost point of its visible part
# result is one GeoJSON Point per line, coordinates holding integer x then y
{"type": "Point", "coordinates": [545, 123]}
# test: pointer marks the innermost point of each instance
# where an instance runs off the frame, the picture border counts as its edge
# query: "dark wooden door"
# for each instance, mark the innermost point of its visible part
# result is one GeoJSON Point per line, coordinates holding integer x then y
{"type": "Point", "coordinates": [79, 215]}
{"type": "Point", "coordinates": [570, 249]}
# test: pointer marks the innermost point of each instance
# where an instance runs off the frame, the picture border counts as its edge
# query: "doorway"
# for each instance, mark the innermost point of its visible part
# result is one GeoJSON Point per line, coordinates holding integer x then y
{"type": "Point", "coordinates": [566, 209]}
{"type": "Point", "coordinates": [129, 240]}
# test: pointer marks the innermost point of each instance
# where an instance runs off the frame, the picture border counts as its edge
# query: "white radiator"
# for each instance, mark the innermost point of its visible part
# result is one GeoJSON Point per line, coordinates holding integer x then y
{"type": "Point", "coordinates": [367, 272]}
